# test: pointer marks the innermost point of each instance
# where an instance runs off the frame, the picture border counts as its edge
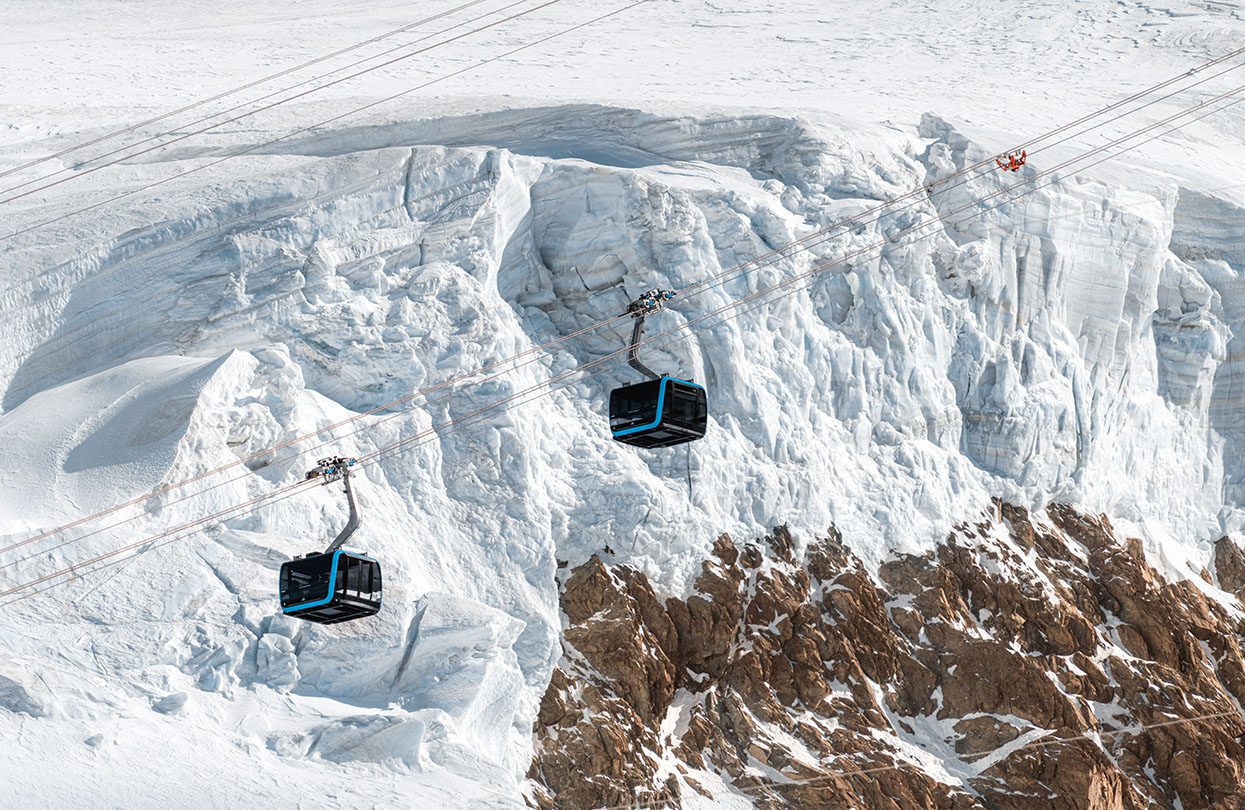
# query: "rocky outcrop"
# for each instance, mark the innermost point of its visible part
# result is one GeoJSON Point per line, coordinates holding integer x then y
{"type": "Point", "coordinates": [1230, 566]}
{"type": "Point", "coordinates": [1024, 662]}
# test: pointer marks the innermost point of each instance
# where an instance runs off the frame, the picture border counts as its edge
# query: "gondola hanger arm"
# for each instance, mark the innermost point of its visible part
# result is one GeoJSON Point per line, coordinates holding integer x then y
{"type": "Point", "coordinates": [337, 468]}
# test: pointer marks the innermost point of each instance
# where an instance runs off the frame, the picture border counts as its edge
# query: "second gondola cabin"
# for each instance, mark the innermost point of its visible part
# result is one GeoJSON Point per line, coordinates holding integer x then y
{"type": "Point", "coordinates": [333, 587]}
{"type": "Point", "coordinates": [659, 413]}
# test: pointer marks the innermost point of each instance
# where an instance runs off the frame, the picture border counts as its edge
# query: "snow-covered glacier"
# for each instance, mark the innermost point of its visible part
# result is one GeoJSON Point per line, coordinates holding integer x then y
{"type": "Point", "coordinates": [1077, 343]}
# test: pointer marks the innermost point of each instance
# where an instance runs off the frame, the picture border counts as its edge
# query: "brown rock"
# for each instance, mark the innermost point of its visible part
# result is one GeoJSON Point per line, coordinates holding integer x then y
{"type": "Point", "coordinates": [1230, 566]}
{"type": "Point", "coordinates": [796, 676]}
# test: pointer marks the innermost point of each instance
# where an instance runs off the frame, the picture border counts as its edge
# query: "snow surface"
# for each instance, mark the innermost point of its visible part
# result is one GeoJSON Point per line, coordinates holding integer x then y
{"type": "Point", "coordinates": [1078, 344]}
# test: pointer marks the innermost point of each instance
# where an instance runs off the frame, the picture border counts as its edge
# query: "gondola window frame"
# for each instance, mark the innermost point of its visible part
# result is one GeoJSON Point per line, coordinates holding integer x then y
{"type": "Point", "coordinates": [336, 571]}
{"type": "Point", "coordinates": [660, 408]}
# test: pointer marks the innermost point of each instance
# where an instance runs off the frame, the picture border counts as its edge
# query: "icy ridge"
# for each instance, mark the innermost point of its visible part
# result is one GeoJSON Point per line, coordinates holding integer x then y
{"type": "Point", "coordinates": [1071, 345]}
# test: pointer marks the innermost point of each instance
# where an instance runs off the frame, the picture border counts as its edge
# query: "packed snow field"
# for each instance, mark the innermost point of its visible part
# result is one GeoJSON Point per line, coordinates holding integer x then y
{"type": "Point", "coordinates": [1081, 343]}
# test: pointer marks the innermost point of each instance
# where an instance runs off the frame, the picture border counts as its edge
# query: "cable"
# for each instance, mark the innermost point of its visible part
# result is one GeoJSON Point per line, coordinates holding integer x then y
{"type": "Point", "coordinates": [215, 516]}
{"type": "Point", "coordinates": [254, 456]}
{"type": "Point", "coordinates": [780, 285]}
{"type": "Point", "coordinates": [786, 286]}
{"type": "Point", "coordinates": [75, 571]}
{"type": "Point", "coordinates": [699, 286]}
{"type": "Point", "coordinates": [448, 382]}
{"type": "Point", "coordinates": [814, 239]}
{"type": "Point", "coordinates": [941, 186]}
{"type": "Point", "coordinates": [1192, 72]}
{"type": "Point", "coordinates": [941, 218]}
{"type": "Point", "coordinates": [804, 243]}
{"type": "Point", "coordinates": [410, 90]}
{"type": "Point", "coordinates": [187, 529]}
{"type": "Point", "coordinates": [296, 96]}
{"type": "Point", "coordinates": [423, 392]}
{"type": "Point", "coordinates": [427, 434]}
{"type": "Point", "coordinates": [202, 102]}
{"type": "Point", "coordinates": [692, 289]}
{"type": "Point", "coordinates": [549, 385]}
{"type": "Point", "coordinates": [96, 160]}
{"type": "Point", "coordinates": [986, 162]}
{"type": "Point", "coordinates": [348, 113]}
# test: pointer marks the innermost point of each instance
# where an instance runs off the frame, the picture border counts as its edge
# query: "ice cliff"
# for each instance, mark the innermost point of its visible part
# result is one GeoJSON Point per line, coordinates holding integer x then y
{"type": "Point", "coordinates": [1077, 344]}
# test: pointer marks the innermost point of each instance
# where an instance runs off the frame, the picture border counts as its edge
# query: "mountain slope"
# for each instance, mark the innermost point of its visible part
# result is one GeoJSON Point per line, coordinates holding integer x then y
{"type": "Point", "coordinates": [1024, 660]}
{"type": "Point", "coordinates": [1077, 345]}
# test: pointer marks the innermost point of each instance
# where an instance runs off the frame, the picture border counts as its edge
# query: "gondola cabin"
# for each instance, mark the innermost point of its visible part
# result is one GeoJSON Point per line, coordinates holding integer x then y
{"type": "Point", "coordinates": [331, 587]}
{"type": "Point", "coordinates": [659, 413]}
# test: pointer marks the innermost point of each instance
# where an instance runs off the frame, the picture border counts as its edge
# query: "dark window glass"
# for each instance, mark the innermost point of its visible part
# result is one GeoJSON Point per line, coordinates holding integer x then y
{"type": "Point", "coordinates": [687, 406]}
{"type": "Point", "coordinates": [360, 580]}
{"type": "Point", "coordinates": [305, 580]}
{"type": "Point", "coordinates": [633, 405]}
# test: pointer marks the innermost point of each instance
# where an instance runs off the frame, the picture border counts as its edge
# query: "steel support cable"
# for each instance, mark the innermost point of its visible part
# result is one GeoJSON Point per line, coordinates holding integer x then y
{"type": "Point", "coordinates": [101, 529]}
{"type": "Point", "coordinates": [165, 488]}
{"type": "Point", "coordinates": [660, 338]}
{"type": "Point", "coordinates": [233, 91]}
{"type": "Point", "coordinates": [726, 275]}
{"type": "Point", "coordinates": [357, 110]}
{"type": "Point", "coordinates": [551, 384]}
{"type": "Point", "coordinates": [255, 147]}
{"type": "Point", "coordinates": [446, 426]}
{"type": "Point", "coordinates": [99, 163]}
{"type": "Point", "coordinates": [264, 453]}
{"type": "Point", "coordinates": [214, 517]}
{"type": "Point", "coordinates": [78, 572]}
{"type": "Point", "coordinates": [432, 18]}
{"type": "Point", "coordinates": [1023, 187]}
{"type": "Point", "coordinates": [433, 431]}
{"type": "Point", "coordinates": [453, 380]}
{"type": "Point", "coordinates": [190, 529]}
{"type": "Point", "coordinates": [790, 249]}
{"type": "Point", "coordinates": [295, 97]}
{"type": "Point", "coordinates": [943, 185]}
{"type": "Point", "coordinates": [1138, 95]}
{"type": "Point", "coordinates": [814, 239]}
{"type": "Point", "coordinates": [805, 241]}
{"type": "Point", "coordinates": [663, 337]}
{"type": "Point", "coordinates": [1049, 173]}
{"type": "Point", "coordinates": [986, 162]}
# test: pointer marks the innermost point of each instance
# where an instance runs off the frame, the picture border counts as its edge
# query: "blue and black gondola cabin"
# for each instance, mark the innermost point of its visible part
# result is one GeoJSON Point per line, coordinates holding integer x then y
{"type": "Point", "coordinates": [659, 413]}
{"type": "Point", "coordinates": [329, 588]}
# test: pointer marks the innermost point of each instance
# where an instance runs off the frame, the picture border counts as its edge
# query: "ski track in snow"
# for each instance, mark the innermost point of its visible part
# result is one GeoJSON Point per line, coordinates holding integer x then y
{"type": "Point", "coordinates": [1081, 343]}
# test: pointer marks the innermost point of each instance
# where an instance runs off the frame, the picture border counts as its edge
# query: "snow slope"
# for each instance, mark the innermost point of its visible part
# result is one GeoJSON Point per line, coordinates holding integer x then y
{"type": "Point", "coordinates": [1077, 344]}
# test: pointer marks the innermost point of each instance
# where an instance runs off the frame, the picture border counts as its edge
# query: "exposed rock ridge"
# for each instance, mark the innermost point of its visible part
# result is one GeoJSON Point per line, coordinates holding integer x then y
{"type": "Point", "coordinates": [1010, 668]}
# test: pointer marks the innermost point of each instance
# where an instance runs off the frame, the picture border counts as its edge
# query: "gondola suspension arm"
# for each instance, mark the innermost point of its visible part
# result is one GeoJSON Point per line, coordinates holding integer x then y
{"type": "Point", "coordinates": [337, 468]}
{"type": "Point", "coordinates": [648, 303]}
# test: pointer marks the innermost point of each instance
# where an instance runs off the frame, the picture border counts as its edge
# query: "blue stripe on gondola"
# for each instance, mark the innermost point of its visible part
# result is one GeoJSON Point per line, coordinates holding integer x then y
{"type": "Point", "coordinates": [661, 401]}
{"type": "Point", "coordinates": [332, 585]}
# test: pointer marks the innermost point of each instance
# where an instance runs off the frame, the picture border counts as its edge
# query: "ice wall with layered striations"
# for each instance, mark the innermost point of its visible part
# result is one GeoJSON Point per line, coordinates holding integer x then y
{"type": "Point", "coordinates": [1075, 344]}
